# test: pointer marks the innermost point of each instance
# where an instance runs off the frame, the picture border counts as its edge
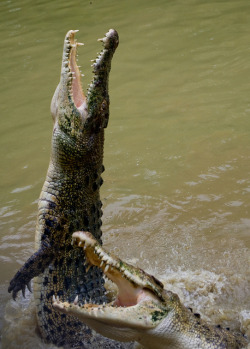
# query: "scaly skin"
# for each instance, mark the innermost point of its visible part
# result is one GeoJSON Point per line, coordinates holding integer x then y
{"type": "Point", "coordinates": [143, 311]}
{"type": "Point", "coordinates": [70, 200]}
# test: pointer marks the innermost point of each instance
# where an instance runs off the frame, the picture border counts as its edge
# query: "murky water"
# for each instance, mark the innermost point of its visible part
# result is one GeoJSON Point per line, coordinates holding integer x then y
{"type": "Point", "coordinates": [177, 151]}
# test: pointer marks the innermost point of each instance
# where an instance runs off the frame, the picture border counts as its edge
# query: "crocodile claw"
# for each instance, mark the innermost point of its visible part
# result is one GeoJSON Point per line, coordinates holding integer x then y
{"type": "Point", "coordinates": [17, 285]}
{"type": "Point", "coordinates": [29, 286]}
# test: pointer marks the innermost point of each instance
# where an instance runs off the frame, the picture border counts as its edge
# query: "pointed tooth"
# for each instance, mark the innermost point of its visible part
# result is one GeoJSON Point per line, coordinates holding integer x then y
{"type": "Point", "coordinates": [106, 268]}
{"type": "Point", "coordinates": [76, 300]}
{"type": "Point", "coordinates": [53, 298]}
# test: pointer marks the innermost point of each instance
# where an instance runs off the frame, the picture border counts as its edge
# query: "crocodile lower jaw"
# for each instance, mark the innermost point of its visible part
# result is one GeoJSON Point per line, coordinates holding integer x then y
{"type": "Point", "coordinates": [138, 316]}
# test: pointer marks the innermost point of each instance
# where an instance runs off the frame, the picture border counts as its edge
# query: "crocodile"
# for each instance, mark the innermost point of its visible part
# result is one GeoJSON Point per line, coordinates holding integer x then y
{"type": "Point", "coordinates": [143, 311]}
{"type": "Point", "coordinates": [70, 200]}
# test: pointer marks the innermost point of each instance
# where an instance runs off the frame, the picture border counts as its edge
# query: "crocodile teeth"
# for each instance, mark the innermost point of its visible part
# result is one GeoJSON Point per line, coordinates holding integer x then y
{"type": "Point", "coordinates": [106, 268]}
{"type": "Point", "coordinates": [55, 299]}
{"type": "Point", "coordinates": [101, 254]}
{"type": "Point", "coordinates": [76, 300]}
{"type": "Point", "coordinates": [88, 267]}
{"type": "Point", "coordinates": [103, 39]}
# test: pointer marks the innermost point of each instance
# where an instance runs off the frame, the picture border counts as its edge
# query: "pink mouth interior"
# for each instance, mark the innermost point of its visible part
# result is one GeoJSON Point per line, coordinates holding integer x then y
{"type": "Point", "coordinates": [128, 294]}
{"type": "Point", "coordinates": [78, 95]}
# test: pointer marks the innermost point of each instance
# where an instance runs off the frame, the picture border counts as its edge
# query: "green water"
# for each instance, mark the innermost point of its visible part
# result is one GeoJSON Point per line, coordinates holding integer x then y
{"type": "Point", "coordinates": [177, 149]}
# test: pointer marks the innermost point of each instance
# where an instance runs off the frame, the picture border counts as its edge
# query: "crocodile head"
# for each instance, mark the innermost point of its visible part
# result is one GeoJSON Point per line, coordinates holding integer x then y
{"type": "Point", "coordinates": [143, 311]}
{"type": "Point", "coordinates": [141, 303]}
{"type": "Point", "coordinates": [79, 119]}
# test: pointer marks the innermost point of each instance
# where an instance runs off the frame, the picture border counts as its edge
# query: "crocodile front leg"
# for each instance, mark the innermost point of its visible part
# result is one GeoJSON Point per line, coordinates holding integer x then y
{"type": "Point", "coordinates": [34, 266]}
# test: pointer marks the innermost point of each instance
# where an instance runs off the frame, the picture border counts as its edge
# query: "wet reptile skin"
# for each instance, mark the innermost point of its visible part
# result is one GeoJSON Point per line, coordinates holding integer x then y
{"type": "Point", "coordinates": [157, 319]}
{"type": "Point", "coordinates": [70, 201]}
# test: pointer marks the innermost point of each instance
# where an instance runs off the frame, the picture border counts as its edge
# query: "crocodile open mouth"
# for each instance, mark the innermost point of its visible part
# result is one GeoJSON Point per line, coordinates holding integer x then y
{"type": "Point", "coordinates": [136, 288]}
{"type": "Point", "coordinates": [77, 91]}
{"type": "Point", "coordinates": [72, 73]}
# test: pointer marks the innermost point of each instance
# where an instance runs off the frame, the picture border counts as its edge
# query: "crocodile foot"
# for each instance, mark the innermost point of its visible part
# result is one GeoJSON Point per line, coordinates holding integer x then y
{"type": "Point", "coordinates": [17, 284]}
{"type": "Point", "coordinates": [33, 267]}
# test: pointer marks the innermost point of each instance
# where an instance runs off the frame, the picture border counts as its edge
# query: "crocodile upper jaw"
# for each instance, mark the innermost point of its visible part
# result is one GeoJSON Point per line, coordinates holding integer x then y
{"type": "Point", "coordinates": [69, 103]}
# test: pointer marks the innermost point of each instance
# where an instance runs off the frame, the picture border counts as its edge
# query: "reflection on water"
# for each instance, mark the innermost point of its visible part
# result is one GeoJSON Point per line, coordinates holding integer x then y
{"type": "Point", "coordinates": [176, 193]}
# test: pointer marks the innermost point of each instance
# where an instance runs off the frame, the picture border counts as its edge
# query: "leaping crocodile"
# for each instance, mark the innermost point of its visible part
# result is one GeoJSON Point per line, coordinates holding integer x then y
{"type": "Point", "coordinates": [143, 310]}
{"type": "Point", "coordinates": [70, 200]}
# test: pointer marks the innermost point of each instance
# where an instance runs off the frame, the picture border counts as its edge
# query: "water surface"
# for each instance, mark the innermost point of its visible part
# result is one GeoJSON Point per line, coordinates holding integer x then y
{"type": "Point", "coordinates": [177, 149]}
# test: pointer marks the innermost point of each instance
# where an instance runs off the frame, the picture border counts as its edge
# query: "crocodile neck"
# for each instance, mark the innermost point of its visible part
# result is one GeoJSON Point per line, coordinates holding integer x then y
{"type": "Point", "coordinates": [70, 196]}
{"type": "Point", "coordinates": [69, 201]}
